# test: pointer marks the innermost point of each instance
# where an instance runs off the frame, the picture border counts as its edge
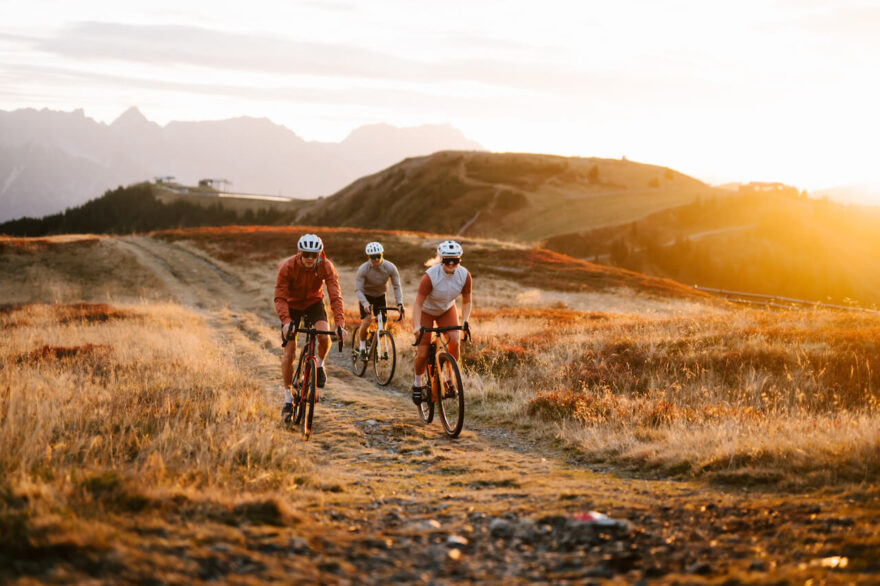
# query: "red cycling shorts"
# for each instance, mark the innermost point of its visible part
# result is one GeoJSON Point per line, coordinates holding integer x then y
{"type": "Point", "coordinates": [446, 319]}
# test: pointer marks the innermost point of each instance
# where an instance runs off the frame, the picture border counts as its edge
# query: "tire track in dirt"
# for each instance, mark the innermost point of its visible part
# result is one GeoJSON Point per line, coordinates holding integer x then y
{"type": "Point", "coordinates": [397, 501]}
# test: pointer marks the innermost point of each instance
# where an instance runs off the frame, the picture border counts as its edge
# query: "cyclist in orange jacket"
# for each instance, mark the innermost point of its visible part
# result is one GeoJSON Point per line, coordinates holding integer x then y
{"type": "Point", "coordinates": [299, 295]}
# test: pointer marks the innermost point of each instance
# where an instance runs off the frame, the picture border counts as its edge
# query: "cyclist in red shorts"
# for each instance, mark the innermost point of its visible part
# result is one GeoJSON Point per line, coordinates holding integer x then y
{"type": "Point", "coordinates": [299, 294]}
{"type": "Point", "coordinates": [435, 302]}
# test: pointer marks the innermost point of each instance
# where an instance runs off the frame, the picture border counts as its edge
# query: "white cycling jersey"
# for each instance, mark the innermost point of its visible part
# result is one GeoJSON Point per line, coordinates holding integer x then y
{"type": "Point", "coordinates": [445, 288]}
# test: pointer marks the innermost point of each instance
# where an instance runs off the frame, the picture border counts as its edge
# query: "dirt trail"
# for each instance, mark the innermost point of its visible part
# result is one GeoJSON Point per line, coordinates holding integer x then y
{"type": "Point", "coordinates": [400, 502]}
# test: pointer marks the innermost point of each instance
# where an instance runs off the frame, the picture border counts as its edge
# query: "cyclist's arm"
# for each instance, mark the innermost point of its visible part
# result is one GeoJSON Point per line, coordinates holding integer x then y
{"type": "Point", "coordinates": [417, 312]}
{"type": "Point", "coordinates": [331, 279]}
{"type": "Point", "coordinates": [395, 283]}
{"type": "Point", "coordinates": [466, 299]}
{"type": "Point", "coordinates": [282, 282]}
{"type": "Point", "coordinates": [425, 288]}
{"type": "Point", "coordinates": [359, 281]}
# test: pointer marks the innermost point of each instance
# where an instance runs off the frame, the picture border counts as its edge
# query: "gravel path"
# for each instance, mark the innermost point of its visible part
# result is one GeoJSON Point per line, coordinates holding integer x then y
{"type": "Point", "coordinates": [398, 502]}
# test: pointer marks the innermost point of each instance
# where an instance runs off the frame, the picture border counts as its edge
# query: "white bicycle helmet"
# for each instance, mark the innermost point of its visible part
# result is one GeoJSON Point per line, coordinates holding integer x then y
{"type": "Point", "coordinates": [374, 248]}
{"type": "Point", "coordinates": [310, 243]}
{"type": "Point", "coordinates": [449, 248]}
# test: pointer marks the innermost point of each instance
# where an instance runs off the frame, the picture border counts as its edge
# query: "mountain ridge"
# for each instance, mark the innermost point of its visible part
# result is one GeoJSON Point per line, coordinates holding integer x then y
{"type": "Point", "coordinates": [51, 160]}
{"type": "Point", "coordinates": [513, 196]}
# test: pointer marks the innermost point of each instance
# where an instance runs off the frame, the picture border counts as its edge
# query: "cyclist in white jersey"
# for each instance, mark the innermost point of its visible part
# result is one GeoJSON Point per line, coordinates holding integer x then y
{"type": "Point", "coordinates": [435, 302]}
{"type": "Point", "coordinates": [370, 285]}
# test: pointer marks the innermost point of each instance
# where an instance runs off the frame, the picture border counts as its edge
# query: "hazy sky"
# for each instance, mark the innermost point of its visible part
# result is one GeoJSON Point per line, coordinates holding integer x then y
{"type": "Point", "coordinates": [747, 90]}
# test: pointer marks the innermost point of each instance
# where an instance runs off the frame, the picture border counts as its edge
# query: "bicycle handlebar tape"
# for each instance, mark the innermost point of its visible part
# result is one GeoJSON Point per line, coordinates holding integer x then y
{"type": "Point", "coordinates": [339, 337]}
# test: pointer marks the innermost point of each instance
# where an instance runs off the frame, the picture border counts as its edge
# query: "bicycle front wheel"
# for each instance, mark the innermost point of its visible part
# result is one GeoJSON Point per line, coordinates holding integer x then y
{"type": "Point", "coordinates": [358, 364]}
{"type": "Point", "coordinates": [309, 380]}
{"type": "Point", "coordinates": [384, 358]}
{"type": "Point", "coordinates": [451, 397]}
{"type": "Point", "coordinates": [298, 403]}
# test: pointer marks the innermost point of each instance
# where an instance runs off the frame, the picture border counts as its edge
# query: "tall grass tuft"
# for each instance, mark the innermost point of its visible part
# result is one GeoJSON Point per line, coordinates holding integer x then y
{"type": "Point", "coordinates": [789, 398]}
{"type": "Point", "coordinates": [127, 409]}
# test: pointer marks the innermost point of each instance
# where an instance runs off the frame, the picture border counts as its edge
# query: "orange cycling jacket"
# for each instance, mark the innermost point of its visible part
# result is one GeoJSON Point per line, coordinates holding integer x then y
{"type": "Point", "coordinates": [299, 287]}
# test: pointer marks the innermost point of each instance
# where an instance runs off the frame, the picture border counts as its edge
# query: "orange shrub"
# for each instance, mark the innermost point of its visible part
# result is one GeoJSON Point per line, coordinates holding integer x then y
{"type": "Point", "coordinates": [497, 359]}
{"type": "Point", "coordinates": [47, 353]}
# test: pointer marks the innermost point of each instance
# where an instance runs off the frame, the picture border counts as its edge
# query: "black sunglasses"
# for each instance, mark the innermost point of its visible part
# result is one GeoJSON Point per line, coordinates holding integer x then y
{"type": "Point", "coordinates": [451, 261]}
{"type": "Point", "coordinates": [375, 256]}
{"type": "Point", "coordinates": [310, 255]}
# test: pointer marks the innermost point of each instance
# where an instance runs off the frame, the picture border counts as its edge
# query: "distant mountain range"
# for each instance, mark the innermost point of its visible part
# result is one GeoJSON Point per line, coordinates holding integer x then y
{"type": "Point", "coordinates": [864, 193]}
{"type": "Point", "coordinates": [52, 160]}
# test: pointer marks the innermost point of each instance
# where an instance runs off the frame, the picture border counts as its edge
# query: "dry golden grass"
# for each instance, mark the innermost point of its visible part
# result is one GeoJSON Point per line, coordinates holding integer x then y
{"type": "Point", "coordinates": [71, 268]}
{"type": "Point", "coordinates": [487, 259]}
{"type": "Point", "coordinates": [790, 398]}
{"type": "Point", "coordinates": [107, 412]}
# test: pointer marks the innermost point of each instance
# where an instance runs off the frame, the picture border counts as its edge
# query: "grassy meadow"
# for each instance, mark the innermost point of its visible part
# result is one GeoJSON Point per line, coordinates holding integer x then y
{"type": "Point", "coordinates": [693, 387]}
{"type": "Point", "coordinates": [117, 421]}
{"type": "Point", "coordinates": [779, 399]}
{"type": "Point", "coordinates": [138, 430]}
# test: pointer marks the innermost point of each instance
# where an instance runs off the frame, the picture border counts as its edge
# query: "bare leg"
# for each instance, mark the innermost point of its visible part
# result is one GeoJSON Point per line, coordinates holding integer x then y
{"type": "Point", "coordinates": [421, 361]}
{"type": "Point", "coordinates": [454, 345]}
{"type": "Point", "coordinates": [365, 324]}
{"type": "Point", "coordinates": [287, 363]}
{"type": "Point", "coordinates": [323, 340]}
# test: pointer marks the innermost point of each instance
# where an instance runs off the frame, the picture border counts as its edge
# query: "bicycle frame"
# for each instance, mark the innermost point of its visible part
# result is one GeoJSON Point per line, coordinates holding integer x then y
{"type": "Point", "coordinates": [444, 381]}
{"type": "Point", "coordinates": [379, 345]}
{"type": "Point", "coordinates": [380, 327]}
{"type": "Point", "coordinates": [438, 344]}
{"type": "Point", "coordinates": [304, 377]}
{"type": "Point", "coordinates": [434, 349]}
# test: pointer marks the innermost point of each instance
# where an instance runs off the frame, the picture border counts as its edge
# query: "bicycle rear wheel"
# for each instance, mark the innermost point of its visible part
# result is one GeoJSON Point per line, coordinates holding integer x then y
{"type": "Point", "coordinates": [298, 406]}
{"type": "Point", "coordinates": [309, 381]}
{"type": "Point", "coordinates": [358, 365]}
{"type": "Point", "coordinates": [451, 397]}
{"type": "Point", "coordinates": [384, 358]}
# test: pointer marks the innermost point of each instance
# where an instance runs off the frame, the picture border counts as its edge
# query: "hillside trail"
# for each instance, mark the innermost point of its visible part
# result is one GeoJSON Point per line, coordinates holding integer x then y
{"type": "Point", "coordinates": [396, 500]}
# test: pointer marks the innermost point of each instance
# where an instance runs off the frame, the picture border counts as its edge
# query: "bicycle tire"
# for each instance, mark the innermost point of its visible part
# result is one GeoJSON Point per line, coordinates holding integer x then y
{"type": "Point", "coordinates": [309, 403]}
{"type": "Point", "coordinates": [450, 395]}
{"type": "Point", "coordinates": [384, 365]}
{"type": "Point", "coordinates": [426, 408]}
{"type": "Point", "coordinates": [357, 365]}
{"type": "Point", "coordinates": [298, 407]}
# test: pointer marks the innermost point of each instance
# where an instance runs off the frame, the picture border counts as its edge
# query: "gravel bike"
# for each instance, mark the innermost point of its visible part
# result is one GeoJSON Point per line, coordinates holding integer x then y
{"type": "Point", "coordinates": [306, 376]}
{"type": "Point", "coordinates": [380, 348]}
{"type": "Point", "coordinates": [444, 381]}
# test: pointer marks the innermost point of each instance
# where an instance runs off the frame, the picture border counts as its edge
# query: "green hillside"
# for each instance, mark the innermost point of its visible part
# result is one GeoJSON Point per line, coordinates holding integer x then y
{"type": "Point", "coordinates": [143, 207]}
{"type": "Point", "coordinates": [521, 197]}
{"type": "Point", "coordinates": [754, 242]}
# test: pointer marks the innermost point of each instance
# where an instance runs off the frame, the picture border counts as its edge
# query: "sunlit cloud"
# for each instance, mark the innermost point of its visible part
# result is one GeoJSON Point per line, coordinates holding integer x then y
{"type": "Point", "coordinates": [749, 91]}
{"type": "Point", "coordinates": [178, 45]}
